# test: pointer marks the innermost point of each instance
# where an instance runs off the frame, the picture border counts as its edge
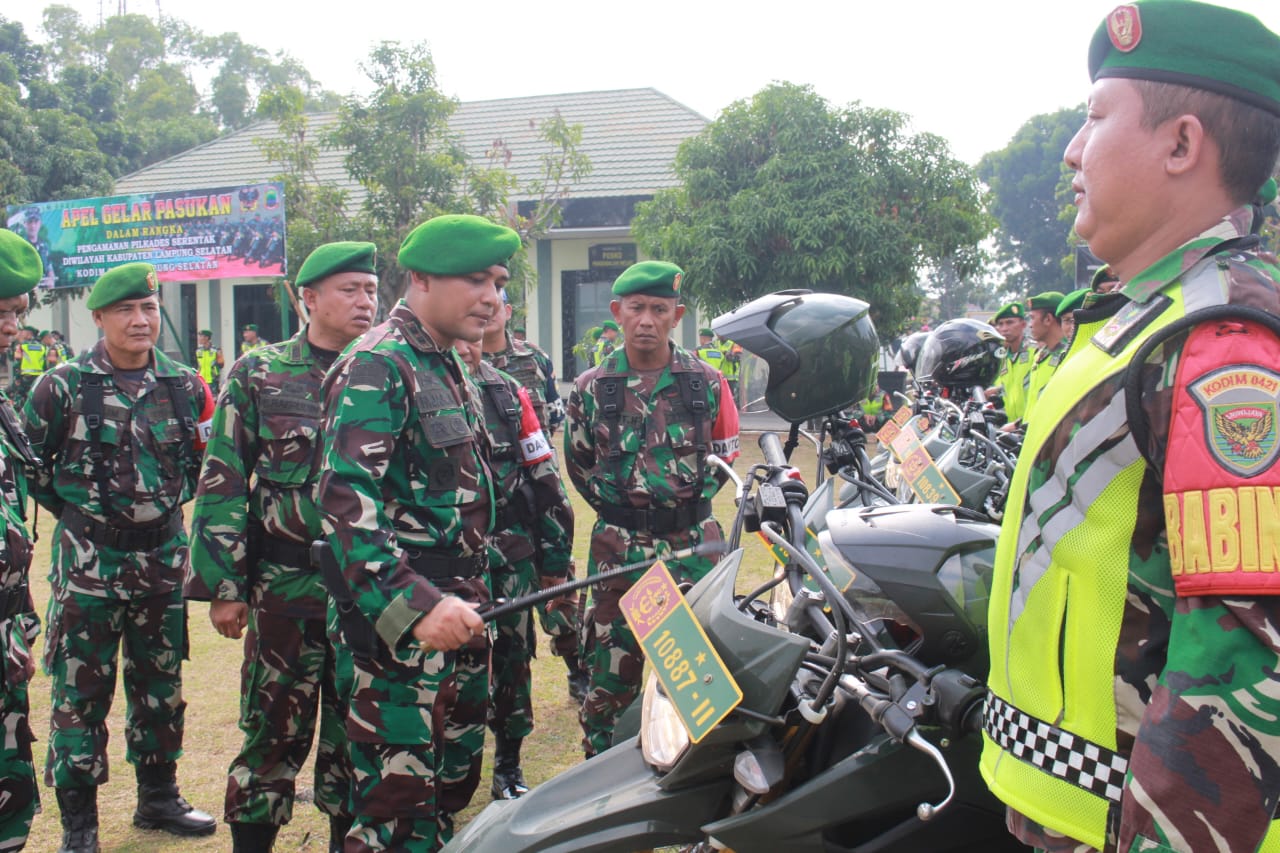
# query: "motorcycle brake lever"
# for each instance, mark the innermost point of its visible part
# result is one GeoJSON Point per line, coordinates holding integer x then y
{"type": "Point", "coordinates": [927, 811]}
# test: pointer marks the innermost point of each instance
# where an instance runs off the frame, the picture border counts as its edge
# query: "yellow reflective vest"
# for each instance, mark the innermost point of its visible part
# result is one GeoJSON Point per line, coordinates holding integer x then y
{"type": "Point", "coordinates": [207, 364]}
{"type": "Point", "coordinates": [33, 359]}
{"type": "Point", "coordinates": [1050, 723]}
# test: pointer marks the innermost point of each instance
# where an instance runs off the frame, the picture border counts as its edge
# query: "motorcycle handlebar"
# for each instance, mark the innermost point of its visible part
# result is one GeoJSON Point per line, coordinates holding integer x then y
{"type": "Point", "coordinates": [771, 446]}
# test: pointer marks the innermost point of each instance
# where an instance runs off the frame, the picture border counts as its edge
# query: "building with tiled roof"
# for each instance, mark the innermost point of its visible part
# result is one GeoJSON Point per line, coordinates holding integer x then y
{"type": "Point", "coordinates": [630, 136]}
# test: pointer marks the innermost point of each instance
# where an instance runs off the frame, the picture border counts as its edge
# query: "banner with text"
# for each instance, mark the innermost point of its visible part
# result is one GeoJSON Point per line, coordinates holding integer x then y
{"type": "Point", "coordinates": [227, 232]}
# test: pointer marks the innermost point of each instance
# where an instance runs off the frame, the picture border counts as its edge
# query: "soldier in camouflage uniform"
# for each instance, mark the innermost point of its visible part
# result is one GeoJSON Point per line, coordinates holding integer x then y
{"type": "Point", "coordinates": [251, 530]}
{"type": "Point", "coordinates": [532, 368]}
{"type": "Point", "coordinates": [19, 626]}
{"type": "Point", "coordinates": [639, 426]}
{"type": "Point", "coordinates": [1135, 603]}
{"type": "Point", "coordinates": [119, 430]}
{"type": "Point", "coordinates": [531, 549]}
{"type": "Point", "coordinates": [407, 498]}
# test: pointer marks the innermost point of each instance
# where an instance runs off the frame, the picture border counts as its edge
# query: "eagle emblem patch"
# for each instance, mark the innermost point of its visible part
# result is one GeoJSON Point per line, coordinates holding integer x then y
{"type": "Point", "coordinates": [1239, 407]}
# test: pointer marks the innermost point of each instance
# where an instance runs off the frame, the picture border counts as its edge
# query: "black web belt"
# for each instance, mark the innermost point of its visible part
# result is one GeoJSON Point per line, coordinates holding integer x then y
{"type": "Point", "coordinates": [121, 538]}
{"type": "Point", "coordinates": [438, 565]}
{"type": "Point", "coordinates": [286, 552]}
{"type": "Point", "coordinates": [657, 519]}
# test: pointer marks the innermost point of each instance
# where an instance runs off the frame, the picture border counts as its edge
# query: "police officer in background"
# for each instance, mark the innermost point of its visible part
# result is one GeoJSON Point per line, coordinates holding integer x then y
{"type": "Point", "coordinates": [251, 531]}
{"type": "Point", "coordinates": [1011, 322]}
{"type": "Point", "coordinates": [639, 425]}
{"type": "Point", "coordinates": [708, 350]}
{"type": "Point", "coordinates": [407, 499]}
{"type": "Point", "coordinates": [1051, 346]}
{"type": "Point", "coordinates": [30, 358]}
{"type": "Point", "coordinates": [119, 431]}
{"type": "Point", "coordinates": [1135, 609]}
{"type": "Point", "coordinates": [209, 359]}
{"type": "Point", "coordinates": [249, 339]}
{"type": "Point", "coordinates": [19, 625]}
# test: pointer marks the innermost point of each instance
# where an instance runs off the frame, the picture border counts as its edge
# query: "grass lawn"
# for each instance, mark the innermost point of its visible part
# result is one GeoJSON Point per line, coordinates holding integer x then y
{"type": "Point", "coordinates": [212, 690]}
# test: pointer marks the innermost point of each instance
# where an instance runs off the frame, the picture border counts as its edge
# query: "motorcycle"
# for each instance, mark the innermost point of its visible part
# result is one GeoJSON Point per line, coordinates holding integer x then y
{"type": "Point", "coordinates": [857, 725]}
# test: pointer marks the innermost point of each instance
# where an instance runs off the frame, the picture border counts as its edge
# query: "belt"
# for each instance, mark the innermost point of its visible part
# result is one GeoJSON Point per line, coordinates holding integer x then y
{"type": "Point", "coordinates": [657, 519]}
{"type": "Point", "coordinates": [438, 565]}
{"type": "Point", "coordinates": [14, 600]}
{"type": "Point", "coordinates": [285, 552]}
{"type": "Point", "coordinates": [121, 538]}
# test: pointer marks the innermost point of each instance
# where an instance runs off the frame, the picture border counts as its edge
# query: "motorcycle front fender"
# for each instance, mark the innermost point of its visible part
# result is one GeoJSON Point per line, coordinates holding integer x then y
{"type": "Point", "coordinates": [612, 802]}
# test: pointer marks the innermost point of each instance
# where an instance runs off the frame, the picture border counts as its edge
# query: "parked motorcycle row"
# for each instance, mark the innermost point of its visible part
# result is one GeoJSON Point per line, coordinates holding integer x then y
{"type": "Point", "coordinates": [860, 663]}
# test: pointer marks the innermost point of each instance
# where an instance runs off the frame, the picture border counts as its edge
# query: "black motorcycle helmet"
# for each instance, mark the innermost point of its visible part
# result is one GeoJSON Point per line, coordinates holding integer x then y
{"type": "Point", "coordinates": [909, 351]}
{"type": "Point", "coordinates": [821, 349]}
{"type": "Point", "coordinates": [961, 354]}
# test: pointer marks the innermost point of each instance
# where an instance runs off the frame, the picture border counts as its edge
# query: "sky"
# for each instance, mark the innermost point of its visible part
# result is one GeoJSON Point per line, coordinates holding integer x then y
{"type": "Point", "coordinates": [971, 72]}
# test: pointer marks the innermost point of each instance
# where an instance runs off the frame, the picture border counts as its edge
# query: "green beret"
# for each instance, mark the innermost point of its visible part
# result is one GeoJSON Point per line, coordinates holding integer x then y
{"type": "Point", "coordinates": [1267, 193]}
{"type": "Point", "coordinates": [1072, 301]}
{"type": "Point", "coordinates": [706, 333]}
{"type": "Point", "coordinates": [208, 333]}
{"type": "Point", "coordinates": [1192, 44]}
{"type": "Point", "coordinates": [596, 332]}
{"type": "Point", "coordinates": [1049, 300]}
{"type": "Point", "coordinates": [129, 281]}
{"type": "Point", "coordinates": [250, 327]}
{"type": "Point", "coordinates": [44, 332]}
{"type": "Point", "coordinates": [519, 329]}
{"type": "Point", "coordinates": [457, 244]}
{"type": "Point", "coordinates": [31, 329]}
{"type": "Point", "coordinates": [608, 325]}
{"type": "Point", "coordinates": [330, 258]}
{"type": "Point", "coordinates": [20, 266]}
{"type": "Point", "coordinates": [1014, 309]}
{"type": "Point", "coordinates": [651, 278]}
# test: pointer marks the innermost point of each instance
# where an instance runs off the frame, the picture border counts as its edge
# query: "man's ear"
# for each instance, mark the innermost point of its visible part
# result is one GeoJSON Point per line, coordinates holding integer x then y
{"type": "Point", "coordinates": [1187, 144]}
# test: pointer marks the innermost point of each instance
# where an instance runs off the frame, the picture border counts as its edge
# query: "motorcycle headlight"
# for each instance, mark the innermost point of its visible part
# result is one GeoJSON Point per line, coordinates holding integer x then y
{"type": "Point", "coordinates": [663, 738]}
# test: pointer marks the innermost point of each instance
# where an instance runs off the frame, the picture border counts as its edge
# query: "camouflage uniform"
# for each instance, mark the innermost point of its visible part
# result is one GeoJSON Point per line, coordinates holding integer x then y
{"type": "Point", "coordinates": [407, 500]}
{"type": "Point", "coordinates": [118, 554]}
{"type": "Point", "coordinates": [19, 627]}
{"type": "Point", "coordinates": [648, 458]}
{"type": "Point", "coordinates": [1195, 712]}
{"type": "Point", "coordinates": [532, 548]}
{"type": "Point", "coordinates": [531, 368]}
{"type": "Point", "coordinates": [251, 528]}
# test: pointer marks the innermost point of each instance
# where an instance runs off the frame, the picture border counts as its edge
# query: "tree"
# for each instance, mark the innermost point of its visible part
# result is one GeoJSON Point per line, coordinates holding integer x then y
{"type": "Point", "coordinates": [1026, 182]}
{"type": "Point", "coordinates": [412, 166]}
{"type": "Point", "coordinates": [785, 191]}
{"type": "Point", "coordinates": [315, 213]}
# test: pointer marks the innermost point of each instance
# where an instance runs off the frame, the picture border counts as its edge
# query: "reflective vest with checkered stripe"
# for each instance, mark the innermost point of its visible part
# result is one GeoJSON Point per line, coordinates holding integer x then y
{"type": "Point", "coordinates": [1049, 660]}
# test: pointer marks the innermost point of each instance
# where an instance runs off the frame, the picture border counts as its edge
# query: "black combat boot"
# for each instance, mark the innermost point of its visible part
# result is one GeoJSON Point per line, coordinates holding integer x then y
{"type": "Point", "coordinates": [160, 806]}
{"type": "Point", "coordinates": [79, 807]}
{"type": "Point", "coordinates": [339, 826]}
{"type": "Point", "coordinates": [252, 837]}
{"type": "Point", "coordinates": [579, 679]}
{"type": "Point", "coordinates": [508, 779]}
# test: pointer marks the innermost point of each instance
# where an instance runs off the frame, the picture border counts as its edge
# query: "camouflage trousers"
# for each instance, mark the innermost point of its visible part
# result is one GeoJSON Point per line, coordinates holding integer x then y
{"type": "Point", "coordinates": [514, 647]}
{"type": "Point", "coordinates": [415, 733]}
{"type": "Point", "coordinates": [612, 653]}
{"type": "Point", "coordinates": [287, 692]}
{"type": "Point", "coordinates": [19, 795]}
{"type": "Point", "coordinates": [85, 633]}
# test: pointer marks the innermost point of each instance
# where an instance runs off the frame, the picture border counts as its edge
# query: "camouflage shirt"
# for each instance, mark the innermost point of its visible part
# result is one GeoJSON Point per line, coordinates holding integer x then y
{"type": "Point", "coordinates": [1196, 707]}
{"type": "Point", "coordinates": [532, 369]}
{"type": "Point", "coordinates": [257, 477]}
{"type": "Point", "coordinates": [18, 623]}
{"type": "Point", "coordinates": [527, 479]}
{"type": "Point", "coordinates": [654, 460]}
{"type": "Point", "coordinates": [404, 466]}
{"type": "Point", "coordinates": [147, 463]}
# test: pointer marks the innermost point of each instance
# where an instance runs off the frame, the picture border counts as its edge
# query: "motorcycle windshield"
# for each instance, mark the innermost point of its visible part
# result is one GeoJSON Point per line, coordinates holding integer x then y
{"type": "Point", "coordinates": [967, 579]}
